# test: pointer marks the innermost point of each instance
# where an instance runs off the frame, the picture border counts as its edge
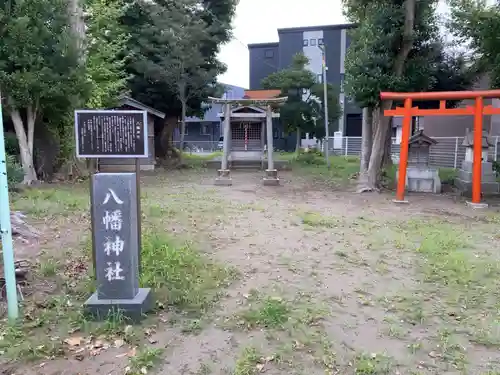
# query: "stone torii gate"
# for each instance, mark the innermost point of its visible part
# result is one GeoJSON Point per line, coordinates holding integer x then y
{"type": "Point", "coordinates": [224, 175]}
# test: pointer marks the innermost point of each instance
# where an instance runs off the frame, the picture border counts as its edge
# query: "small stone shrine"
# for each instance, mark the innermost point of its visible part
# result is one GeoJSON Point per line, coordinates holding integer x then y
{"type": "Point", "coordinates": [463, 182]}
{"type": "Point", "coordinates": [420, 177]}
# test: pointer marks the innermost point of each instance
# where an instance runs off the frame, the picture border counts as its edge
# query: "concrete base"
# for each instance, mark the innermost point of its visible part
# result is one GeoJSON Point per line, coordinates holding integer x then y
{"type": "Point", "coordinates": [133, 309]}
{"type": "Point", "coordinates": [422, 180]}
{"type": "Point", "coordinates": [487, 188]}
{"type": "Point", "coordinates": [271, 178]}
{"type": "Point", "coordinates": [223, 178]}
{"type": "Point", "coordinates": [476, 205]}
{"type": "Point", "coordinates": [400, 202]}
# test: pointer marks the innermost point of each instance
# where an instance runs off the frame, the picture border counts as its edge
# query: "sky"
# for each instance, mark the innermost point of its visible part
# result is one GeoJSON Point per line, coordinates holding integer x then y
{"type": "Point", "coordinates": [257, 21]}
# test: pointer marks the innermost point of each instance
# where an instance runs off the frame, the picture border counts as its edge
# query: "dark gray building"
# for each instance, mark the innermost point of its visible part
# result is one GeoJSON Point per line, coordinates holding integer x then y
{"type": "Point", "coordinates": [267, 58]}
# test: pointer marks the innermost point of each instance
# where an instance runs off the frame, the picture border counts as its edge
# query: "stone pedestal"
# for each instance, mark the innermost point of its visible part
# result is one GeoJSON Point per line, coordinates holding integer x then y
{"type": "Point", "coordinates": [134, 308]}
{"type": "Point", "coordinates": [223, 178]}
{"type": "Point", "coordinates": [271, 178]}
{"type": "Point", "coordinates": [489, 184]}
{"type": "Point", "coordinates": [422, 179]}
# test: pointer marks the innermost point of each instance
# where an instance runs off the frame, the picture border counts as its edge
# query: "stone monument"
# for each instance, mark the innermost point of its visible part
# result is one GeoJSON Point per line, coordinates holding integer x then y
{"type": "Point", "coordinates": [420, 177]}
{"type": "Point", "coordinates": [115, 238]}
{"type": "Point", "coordinates": [463, 182]}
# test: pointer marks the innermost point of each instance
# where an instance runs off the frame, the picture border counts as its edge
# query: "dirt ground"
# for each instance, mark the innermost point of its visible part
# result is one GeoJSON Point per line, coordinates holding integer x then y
{"type": "Point", "coordinates": [329, 282]}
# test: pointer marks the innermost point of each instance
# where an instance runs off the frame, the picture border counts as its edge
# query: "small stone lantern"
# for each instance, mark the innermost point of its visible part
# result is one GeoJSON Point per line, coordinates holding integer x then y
{"type": "Point", "coordinates": [468, 143]}
{"type": "Point", "coordinates": [420, 177]}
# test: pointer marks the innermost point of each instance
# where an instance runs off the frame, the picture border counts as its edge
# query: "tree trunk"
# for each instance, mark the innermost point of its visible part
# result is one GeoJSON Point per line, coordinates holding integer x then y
{"type": "Point", "coordinates": [387, 159]}
{"type": "Point", "coordinates": [183, 125]}
{"type": "Point", "coordinates": [25, 151]}
{"type": "Point", "coordinates": [366, 148]}
{"type": "Point", "coordinates": [380, 122]}
{"type": "Point", "coordinates": [165, 148]}
{"type": "Point", "coordinates": [366, 139]}
{"type": "Point", "coordinates": [297, 141]}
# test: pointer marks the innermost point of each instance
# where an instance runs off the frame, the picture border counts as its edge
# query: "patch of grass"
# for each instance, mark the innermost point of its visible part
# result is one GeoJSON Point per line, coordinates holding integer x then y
{"type": "Point", "coordinates": [314, 219]}
{"type": "Point", "coordinates": [48, 267]}
{"type": "Point", "coordinates": [372, 364]}
{"type": "Point", "coordinates": [341, 170]}
{"type": "Point", "coordinates": [46, 202]}
{"type": "Point", "coordinates": [272, 312]}
{"type": "Point", "coordinates": [248, 362]}
{"type": "Point", "coordinates": [143, 361]}
{"type": "Point", "coordinates": [194, 160]}
{"type": "Point", "coordinates": [181, 276]}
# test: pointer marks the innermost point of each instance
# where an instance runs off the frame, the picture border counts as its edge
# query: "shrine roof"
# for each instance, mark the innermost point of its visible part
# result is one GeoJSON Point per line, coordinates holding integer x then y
{"type": "Point", "coordinates": [420, 138]}
{"type": "Point", "coordinates": [250, 102]}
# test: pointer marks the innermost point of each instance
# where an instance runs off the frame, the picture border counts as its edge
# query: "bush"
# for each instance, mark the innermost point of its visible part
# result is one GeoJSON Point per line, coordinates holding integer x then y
{"type": "Point", "coordinates": [496, 168]}
{"type": "Point", "coordinates": [311, 157]}
{"type": "Point", "coordinates": [15, 172]}
{"type": "Point", "coordinates": [11, 144]}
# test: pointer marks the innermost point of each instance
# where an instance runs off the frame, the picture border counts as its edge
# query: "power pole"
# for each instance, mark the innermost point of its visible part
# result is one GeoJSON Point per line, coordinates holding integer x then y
{"type": "Point", "coordinates": [325, 105]}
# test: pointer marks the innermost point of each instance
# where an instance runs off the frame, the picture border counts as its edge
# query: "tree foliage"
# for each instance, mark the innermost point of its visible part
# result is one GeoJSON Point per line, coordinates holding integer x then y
{"type": "Point", "coordinates": [39, 67]}
{"type": "Point", "coordinates": [153, 39]}
{"type": "Point", "coordinates": [477, 26]}
{"type": "Point", "coordinates": [303, 110]}
{"type": "Point", "coordinates": [106, 41]}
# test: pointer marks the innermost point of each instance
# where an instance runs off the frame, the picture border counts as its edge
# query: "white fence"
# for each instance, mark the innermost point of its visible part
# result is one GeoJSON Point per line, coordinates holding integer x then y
{"type": "Point", "coordinates": [447, 153]}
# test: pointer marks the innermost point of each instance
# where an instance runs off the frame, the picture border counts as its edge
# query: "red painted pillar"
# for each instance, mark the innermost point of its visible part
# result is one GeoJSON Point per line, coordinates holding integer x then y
{"type": "Point", "coordinates": [403, 153]}
{"type": "Point", "coordinates": [477, 154]}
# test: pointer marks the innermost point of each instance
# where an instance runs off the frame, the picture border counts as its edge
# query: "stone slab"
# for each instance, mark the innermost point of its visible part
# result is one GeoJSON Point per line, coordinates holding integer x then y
{"type": "Point", "coordinates": [486, 167]}
{"type": "Point", "coordinates": [270, 181]}
{"type": "Point", "coordinates": [133, 309]}
{"type": "Point", "coordinates": [115, 235]}
{"type": "Point", "coordinates": [467, 176]}
{"type": "Point", "coordinates": [476, 206]}
{"type": "Point", "coordinates": [397, 201]}
{"type": "Point", "coordinates": [223, 181]}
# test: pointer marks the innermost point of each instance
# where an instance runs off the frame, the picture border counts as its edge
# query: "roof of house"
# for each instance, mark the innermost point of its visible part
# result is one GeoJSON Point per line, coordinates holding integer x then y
{"type": "Point", "coordinates": [232, 92]}
{"type": "Point", "coordinates": [127, 100]}
{"type": "Point", "coordinates": [261, 94]}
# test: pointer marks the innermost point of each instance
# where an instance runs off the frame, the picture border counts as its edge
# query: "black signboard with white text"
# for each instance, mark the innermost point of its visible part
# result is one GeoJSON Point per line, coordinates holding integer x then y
{"type": "Point", "coordinates": [111, 134]}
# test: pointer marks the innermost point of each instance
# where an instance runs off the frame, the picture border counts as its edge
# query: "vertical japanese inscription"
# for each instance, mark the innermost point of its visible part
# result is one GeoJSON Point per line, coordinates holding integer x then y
{"type": "Point", "coordinates": [115, 235]}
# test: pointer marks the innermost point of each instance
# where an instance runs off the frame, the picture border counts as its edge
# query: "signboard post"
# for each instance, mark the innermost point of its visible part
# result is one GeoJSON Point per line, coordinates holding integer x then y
{"type": "Point", "coordinates": [115, 209]}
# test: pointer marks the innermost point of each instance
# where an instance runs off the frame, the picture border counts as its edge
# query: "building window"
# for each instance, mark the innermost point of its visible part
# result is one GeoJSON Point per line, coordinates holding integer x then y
{"type": "Point", "coordinates": [305, 43]}
{"type": "Point", "coordinates": [320, 42]}
{"type": "Point", "coordinates": [269, 53]}
{"type": "Point", "coordinates": [319, 78]}
{"type": "Point", "coordinates": [313, 42]}
{"type": "Point", "coordinates": [205, 129]}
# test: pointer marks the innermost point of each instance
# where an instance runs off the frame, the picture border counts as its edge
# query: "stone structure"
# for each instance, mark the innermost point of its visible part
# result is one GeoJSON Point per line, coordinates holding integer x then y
{"type": "Point", "coordinates": [463, 182]}
{"type": "Point", "coordinates": [420, 177]}
{"type": "Point", "coordinates": [116, 243]}
{"type": "Point", "coordinates": [248, 130]}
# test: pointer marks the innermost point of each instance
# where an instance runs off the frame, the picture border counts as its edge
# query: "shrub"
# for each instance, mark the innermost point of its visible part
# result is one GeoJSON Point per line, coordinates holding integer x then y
{"type": "Point", "coordinates": [496, 167]}
{"type": "Point", "coordinates": [11, 144]}
{"type": "Point", "coordinates": [15, 172]}
{"type": "Point", "coordinates": [312, 157]}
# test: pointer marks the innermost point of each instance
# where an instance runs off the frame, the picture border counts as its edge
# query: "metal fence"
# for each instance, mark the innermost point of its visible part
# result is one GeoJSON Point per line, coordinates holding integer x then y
{"type": "Point", "coordinates": [198, 146]}
{"type": "Point", "coordinates": [447, 153]}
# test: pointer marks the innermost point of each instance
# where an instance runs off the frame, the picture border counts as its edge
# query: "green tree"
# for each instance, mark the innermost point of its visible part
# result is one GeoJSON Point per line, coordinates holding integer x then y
{"type": "Point", "coordinates": [106, 41]}
{"type": "Point", "coordinates": [396, 46]}
{"type": "Point", "coordinates": [160, 67]}
{"type": "Point", "coordinates": [39, 66]}
{"type": "Point", "coordinates": [477, 26]}
{"type": "Point", "coordinates": [303, 111]}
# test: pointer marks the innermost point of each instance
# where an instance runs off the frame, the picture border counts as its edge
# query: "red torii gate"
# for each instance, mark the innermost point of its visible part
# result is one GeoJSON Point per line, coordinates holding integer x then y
{"type": "Point", "coordinates": [408, 111]}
